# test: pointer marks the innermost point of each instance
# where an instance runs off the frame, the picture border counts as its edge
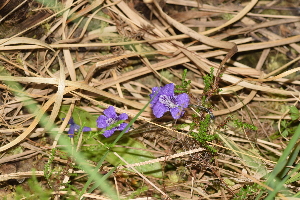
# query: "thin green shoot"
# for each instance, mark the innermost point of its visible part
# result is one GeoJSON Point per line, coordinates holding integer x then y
{"type": "Point", "coordinates": [272, 179]}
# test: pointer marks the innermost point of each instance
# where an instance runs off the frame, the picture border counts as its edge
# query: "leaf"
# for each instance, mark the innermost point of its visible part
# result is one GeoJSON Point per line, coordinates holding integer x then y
{"type": "Point", "coordinates": [294, 178]}
{"type": "Point", "coordinates": [285, 133]}
{"type": "Point", "coordinates": [294, 113]}
{"type": "Point", "coordinates": [283, 123]}
{"type": "Point", "coordinates": [135, 155]}
{"type": "Point", "coordinates": [294, 110]}
{"type": "Point", "coordinates": [249, 157]}
{"type": "Point", "coordinates": [80, 116]}
{"type": "Point", "coordinates": [283, 163]}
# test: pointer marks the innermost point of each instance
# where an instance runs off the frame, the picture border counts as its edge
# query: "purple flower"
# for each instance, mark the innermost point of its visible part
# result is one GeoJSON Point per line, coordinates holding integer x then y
{"type": "Point", "coordinates": [164, 100]}
{"type": "Point", "coordinates": [75, 127]}
{"type": "Point", "coordinates": [110, 118]}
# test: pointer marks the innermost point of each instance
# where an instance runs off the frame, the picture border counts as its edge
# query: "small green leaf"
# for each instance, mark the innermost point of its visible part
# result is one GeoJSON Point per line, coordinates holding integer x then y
{"type": "Point", "coordinates": [294, 178]}
{"type": "Point", "coordinates": [173, 177]}
{"type": "Point", "coordinates": [285, 133]}
{"type": "Point", "coordinates": [294, 110]}
{"type": "Point", "coordinates": [284, 123]}
{"type": "Point", "coordinates": [294, 113]}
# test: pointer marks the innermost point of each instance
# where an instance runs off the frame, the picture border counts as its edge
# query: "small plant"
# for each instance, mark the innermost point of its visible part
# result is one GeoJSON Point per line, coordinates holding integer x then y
{"type": "Point", "coordinates": [183, 88]}
{"type": "Point", "coordinates": [202, 135]}
{"type": "Point", "coordinates": [163, 100]}
{"type": "Point", "coordinates": [244, 125]}
{"type": "Point", "coordinates": [47, 168]}
{"type": "Point", "coordinates": [138, 192]}
{"type": "Point", "coordinates": [248, 192]}
{"type": "Point", "coordinates": [289, 127]}
{"type": "Point", "coordinates": [208, 80]}
{"type": "Point", "coordinates": [211, 86]}
{"type": "Point", "coordinates": [36, 191]}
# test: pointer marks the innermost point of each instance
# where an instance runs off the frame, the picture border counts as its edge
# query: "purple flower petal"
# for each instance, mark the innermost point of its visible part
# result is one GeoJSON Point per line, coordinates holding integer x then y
{"type": "Point", "coordinates": [122, 127]}
{"type": "Point", "coordinates": [159, 110]}
{"type": "Point", "coordinates": [102, 121]}
{"type": "Point", "coordinates": [123, 116]}
{"type": "Point", "coordinates": [71, 131]}
{"type": "Point", "coordinates": [86, 129]}
{"type": "Point", "coordinates": [110, 112]}
{"type": "Point", "coordinates": [183, 100]}
{"type": "Point", "coordinates": [71, 121]}
{"type": "Point", "coordinates": [75, 128]}
{"type": "Point", "coordinates": [168, 101]}
{"type": "Point", "coordinates": [155, 90]}
{"type": "Point", "coordinates": [108, 133]}
{"type": "Point", "coordinates": [168, 89]}
{"type": "Point", "coordinates": [154, 95]}
{"type": "Point", "coordinates": [176, 112]}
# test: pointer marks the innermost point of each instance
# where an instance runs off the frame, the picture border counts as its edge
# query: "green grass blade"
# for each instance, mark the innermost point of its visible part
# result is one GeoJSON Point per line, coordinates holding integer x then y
{"type": "Point", "coordinates": [280, 184]}
{"type": "Point", "coordinates": [81, 160]}
{"type": "Point", "coordinates": [292, 158]}
{"type": "Point", "coordinates": [280, 166]}
{"type": "Point", "coordinates": [86, 185]}
{"type": "Point", "coordinates": [103, 178]}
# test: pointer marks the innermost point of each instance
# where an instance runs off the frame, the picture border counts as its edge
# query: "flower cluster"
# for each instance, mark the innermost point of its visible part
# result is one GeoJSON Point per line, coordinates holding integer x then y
{"type": "Point", "coordinates": [110, 118]}
{"type": "Point", "coordinates": [164, 100]}
{"type": "Point", "coordinates": [108, 121]}
{"type": "Point", "coordinates": [75, 127]}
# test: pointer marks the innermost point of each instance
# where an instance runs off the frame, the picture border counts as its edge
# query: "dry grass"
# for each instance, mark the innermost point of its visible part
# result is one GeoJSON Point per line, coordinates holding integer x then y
{"type": "Point", "coordinates": [92, 54]}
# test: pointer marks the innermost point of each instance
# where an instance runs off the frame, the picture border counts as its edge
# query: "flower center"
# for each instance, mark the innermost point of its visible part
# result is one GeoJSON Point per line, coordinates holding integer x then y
{"type": "Point", "coordinates": [168, 101]}
{"type": "Point", "coordinates": [111, 121]}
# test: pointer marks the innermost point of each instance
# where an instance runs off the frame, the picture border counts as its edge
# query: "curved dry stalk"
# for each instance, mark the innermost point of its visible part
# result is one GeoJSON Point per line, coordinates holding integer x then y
{"type": "Point", "coordinates": [236, 18]}
{"type": "Point", "coordinates": [141, 175]}
{"type": "Point", "coordinates": [286, 73]}
{"type": "Point", "coordinates": [36, 120]}
{"type": "Point", "coordinates": [77, 85]}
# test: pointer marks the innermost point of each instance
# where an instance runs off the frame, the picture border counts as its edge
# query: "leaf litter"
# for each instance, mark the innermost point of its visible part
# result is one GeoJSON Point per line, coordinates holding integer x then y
{"type": "Point", "coordinates": [86, 56]}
